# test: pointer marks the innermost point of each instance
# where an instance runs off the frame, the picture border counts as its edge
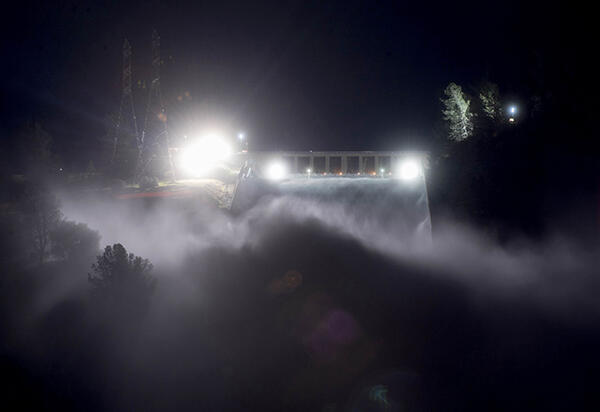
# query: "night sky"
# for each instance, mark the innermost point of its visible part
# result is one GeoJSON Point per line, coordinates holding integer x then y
{"type": "Point", "coordinates": [293, 75]}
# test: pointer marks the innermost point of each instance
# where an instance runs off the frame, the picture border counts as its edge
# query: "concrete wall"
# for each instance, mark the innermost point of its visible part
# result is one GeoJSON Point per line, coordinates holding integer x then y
{"type": "Point", "coordinates": [338, 162]}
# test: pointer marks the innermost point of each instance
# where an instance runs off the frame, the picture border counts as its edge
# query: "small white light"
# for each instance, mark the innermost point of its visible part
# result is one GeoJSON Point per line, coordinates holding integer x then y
{"type": "Point", "coordinates": [276, 171]}
{"type": "Point", "coordinates": [410, 169]}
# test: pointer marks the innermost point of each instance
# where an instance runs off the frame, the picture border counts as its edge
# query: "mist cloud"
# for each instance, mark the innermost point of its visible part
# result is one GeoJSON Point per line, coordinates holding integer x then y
{"type": "Point", "coordinates": [302, 302]}
{"type": "Point", "coordinates": [555, 273]}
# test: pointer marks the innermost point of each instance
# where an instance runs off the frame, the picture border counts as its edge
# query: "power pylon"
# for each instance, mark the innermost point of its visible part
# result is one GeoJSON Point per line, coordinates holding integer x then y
{"type": "Point", "coordinates": [155, 135]}
{"type": "Point", "coordinates": [126, 125]}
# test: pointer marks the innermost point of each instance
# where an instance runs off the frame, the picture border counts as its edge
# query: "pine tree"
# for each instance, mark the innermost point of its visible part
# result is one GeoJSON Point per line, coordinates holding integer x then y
{"type": "Point", "coordinates": [118, 275]}
{"type": "Point", "coordinates": [457, 113]}
{"type": "Point", "coordinates": [490, 100]}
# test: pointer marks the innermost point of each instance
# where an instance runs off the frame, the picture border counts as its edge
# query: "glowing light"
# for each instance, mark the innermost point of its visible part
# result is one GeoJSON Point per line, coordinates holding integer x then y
{"type": "Point", "coordinates": [409, 169]}
{"type": "Point", "coordinates": [203, 155]}
{"type": "Point", "coordinates": [276, 171]}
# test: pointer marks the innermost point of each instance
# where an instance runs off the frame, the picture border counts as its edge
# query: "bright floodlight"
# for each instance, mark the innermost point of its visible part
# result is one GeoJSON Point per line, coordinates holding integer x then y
{"type": "Point", "coordinates": [410, 169]}
{"type": "Point", "coordinates": [275, 171]}
{"type": "Point", "coordinates": [204, 154]}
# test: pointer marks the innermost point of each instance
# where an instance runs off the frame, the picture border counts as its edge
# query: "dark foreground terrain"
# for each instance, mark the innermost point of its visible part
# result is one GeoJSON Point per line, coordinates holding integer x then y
{"type": "Point", "coordinates": [277, 311]}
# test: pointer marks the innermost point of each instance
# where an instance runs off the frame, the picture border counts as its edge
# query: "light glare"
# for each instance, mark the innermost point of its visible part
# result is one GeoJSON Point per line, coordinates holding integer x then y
{"type": "Point", "coordinates": [276, 171]}
{"type": "Point", "coordinates": [203, 155]}
{"type": "Point", "coordinates": [410, 169]}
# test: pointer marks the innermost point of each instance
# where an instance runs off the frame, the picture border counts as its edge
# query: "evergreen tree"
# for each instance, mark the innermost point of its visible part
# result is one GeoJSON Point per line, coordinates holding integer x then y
{"type": "Point", "coordinates": [122, 277]}
{"type": "Point", "coordinates": [490, 100]}
{"type": "Point", "coordinates": [457, 113]}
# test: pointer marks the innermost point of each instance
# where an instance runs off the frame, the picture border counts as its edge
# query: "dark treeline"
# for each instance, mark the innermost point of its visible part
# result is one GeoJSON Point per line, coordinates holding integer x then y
{"type": "Point", "coordinates": [533, 172]}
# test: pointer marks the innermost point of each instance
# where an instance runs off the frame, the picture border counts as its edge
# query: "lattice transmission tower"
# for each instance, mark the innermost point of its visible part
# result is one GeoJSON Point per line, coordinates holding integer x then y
{"type": "Point", "coordinates": [126, 124]}
{"type": "Point", "coordinates": [155, 135]}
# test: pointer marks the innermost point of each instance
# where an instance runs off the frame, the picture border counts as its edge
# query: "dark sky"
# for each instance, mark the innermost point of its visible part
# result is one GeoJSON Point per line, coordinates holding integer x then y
{"type": "Point", "coordinates": [293, 74]}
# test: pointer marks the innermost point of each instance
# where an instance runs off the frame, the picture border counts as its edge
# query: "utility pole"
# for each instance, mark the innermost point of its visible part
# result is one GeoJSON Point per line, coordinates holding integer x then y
{"type": "Point", "coordinates": [126, 125]}
{"type": "Point", "coordinates": [155, 135]}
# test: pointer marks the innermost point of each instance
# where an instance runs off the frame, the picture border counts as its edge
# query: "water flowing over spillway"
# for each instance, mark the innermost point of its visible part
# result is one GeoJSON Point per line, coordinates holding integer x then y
{"type": "Point", "coordinates": [386, 211]}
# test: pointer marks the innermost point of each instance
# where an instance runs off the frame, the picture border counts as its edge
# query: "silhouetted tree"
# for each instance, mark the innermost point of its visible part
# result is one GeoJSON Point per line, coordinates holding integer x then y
{"type": "Point", "coordinates": [74, 242]}
{"type": "Point", "coordinates": [457, 113]}
{"type": "Point", "coordinates": [41, 216]}
{"type": "Point", "coordinates": [121, 276]}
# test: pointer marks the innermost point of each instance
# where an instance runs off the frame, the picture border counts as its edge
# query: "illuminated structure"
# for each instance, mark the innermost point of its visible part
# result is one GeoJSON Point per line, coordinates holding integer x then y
{"type": "Point", "coordinates": [341, 163]}
{"type": "Point", "coordinates": [155, 135]}
{"type": "Point", "coordinates": [153, 143]}
{"type": "Point", "coordinates": [388, 184]}
{"type": "Point", "coordinates": [126, 124]}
